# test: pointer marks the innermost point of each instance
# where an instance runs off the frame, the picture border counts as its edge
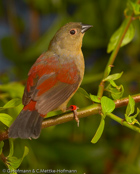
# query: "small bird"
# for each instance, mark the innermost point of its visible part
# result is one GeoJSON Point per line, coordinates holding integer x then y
{"type": "Point", "coordinates": [52, 80]}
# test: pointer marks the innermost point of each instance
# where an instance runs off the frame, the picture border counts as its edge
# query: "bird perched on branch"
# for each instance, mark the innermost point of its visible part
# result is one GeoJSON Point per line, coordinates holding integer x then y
{"type": "Point", "coordinates": [52, 80]}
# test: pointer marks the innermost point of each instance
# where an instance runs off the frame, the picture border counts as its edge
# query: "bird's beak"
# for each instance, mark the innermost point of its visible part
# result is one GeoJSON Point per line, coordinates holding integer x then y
{"type": "Point", "coordinates": [85, 27]}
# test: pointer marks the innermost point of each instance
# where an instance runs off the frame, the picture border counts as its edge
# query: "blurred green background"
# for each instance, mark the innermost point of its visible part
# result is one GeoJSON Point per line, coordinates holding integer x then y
{"type": "Point", "coordinates": [26, 28]}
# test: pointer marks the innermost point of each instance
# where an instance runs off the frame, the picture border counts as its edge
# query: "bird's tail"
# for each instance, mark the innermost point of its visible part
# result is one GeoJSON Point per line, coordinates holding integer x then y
{"type": "Point", "coordinates": [27, 125]}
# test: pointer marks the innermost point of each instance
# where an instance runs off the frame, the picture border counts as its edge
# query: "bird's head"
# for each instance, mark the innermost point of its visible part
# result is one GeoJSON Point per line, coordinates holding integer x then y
{"type": "Point", "coordinates": [69, 37]}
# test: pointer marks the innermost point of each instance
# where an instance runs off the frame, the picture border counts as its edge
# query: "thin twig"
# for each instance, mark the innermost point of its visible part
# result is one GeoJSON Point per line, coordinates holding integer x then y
{"type": "Point", "coordinates": [123, 122]}
{"type": "Point", "coordinates": [3, 158]}
{"type": "Point", "coordinates": [113, 56]}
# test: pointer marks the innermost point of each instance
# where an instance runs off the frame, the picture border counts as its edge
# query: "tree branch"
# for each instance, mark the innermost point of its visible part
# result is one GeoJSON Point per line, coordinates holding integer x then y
{"type": "Point", "coordinates": [83, 112]}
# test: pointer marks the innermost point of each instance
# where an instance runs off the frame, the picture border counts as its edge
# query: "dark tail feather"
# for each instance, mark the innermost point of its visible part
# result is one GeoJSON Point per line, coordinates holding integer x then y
{"type": "Point", "coordinates": [27, 125]}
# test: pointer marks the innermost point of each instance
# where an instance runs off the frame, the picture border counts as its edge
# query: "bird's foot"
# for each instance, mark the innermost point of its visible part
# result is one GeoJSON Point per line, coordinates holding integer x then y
{"type": "Point", "coordinates": [74, 108]}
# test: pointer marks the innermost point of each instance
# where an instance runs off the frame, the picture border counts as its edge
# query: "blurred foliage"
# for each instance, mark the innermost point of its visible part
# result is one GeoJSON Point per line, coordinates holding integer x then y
{"type": "Point", "coordinates": [66, 146]}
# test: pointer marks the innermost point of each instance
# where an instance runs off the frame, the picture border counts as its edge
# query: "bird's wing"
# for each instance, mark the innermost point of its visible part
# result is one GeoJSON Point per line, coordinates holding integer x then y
{"type": "Point", "coordinates": [50, 84]}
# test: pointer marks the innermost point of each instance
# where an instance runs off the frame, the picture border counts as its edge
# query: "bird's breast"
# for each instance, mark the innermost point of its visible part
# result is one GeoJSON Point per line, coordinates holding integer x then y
{"type": "Point", "coordinates": [73, 58]}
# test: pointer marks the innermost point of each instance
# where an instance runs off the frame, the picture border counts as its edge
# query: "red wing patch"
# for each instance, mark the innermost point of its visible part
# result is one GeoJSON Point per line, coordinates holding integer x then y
{"type": "Point", "coordinates": [50, 83]}
{"type": "Point", "coordinates": [46, 85]}
{"type": "Point", "coordinates": [41, 67]}
{"type": "Point", "coordinates": [30, 106]}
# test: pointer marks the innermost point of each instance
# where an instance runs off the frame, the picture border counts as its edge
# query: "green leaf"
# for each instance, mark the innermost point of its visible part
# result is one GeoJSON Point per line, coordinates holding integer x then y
{"type": "Point", "coordinates": [130, 107]}
{"type": "Point", "coordinates": [107, 105]}
{"type": "Point", "coordinates": [135, 6]}
{"type": "Point", "coordinates": [11, 142]}
{"type": "Point", "coordinates": [14, 162]}
{"type": "Point", "coordinates": [131, 119]}
{"type": "Point", "coordinates": [135, 115]}
{"type": "Point", "coordinates": [12, 103]}
{"type": "Point", "coordinates": [6, 119]}
{"type": "Point", "coordinates": [26, 151]}
{"type": "Point", "coordinates": [116, 91]}
{"type": "Point", "coordinates": [83, 92]}
{"type": "Point", "coordinates": [113, 83]}
{"type": "Point", "coordinates": [108, 70]}
{"type": "Point", "coordinates": [113, 77]}
{"type": "Point", "coordinates": [127, 38]}
{"type": "Point", "coordinates": [95, 98]}
{"type": "Point", "coordinates": [1, 146]}
{"type": "Point", "coordinates": [99, 131]}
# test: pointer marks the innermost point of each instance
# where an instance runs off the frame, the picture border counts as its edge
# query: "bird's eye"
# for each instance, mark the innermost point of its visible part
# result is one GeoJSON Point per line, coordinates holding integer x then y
{"type": "Point", "coordinates": [72, 32]}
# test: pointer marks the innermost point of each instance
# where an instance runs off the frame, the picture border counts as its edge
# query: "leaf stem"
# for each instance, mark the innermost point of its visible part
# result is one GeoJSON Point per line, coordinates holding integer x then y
{"type": "Point", "coordinates": [113, 55]}
{"type": "Point", "coordinates": [123, 122]}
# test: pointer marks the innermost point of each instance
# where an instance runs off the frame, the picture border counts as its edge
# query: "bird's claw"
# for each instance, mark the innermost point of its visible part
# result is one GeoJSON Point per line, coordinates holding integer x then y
{"type": "Point", "coordinates": [74, 108]}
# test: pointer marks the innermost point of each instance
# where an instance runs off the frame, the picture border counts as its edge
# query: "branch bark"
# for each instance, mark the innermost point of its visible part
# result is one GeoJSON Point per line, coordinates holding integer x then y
{"type": "Point", "coordinates": [83, 112]}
